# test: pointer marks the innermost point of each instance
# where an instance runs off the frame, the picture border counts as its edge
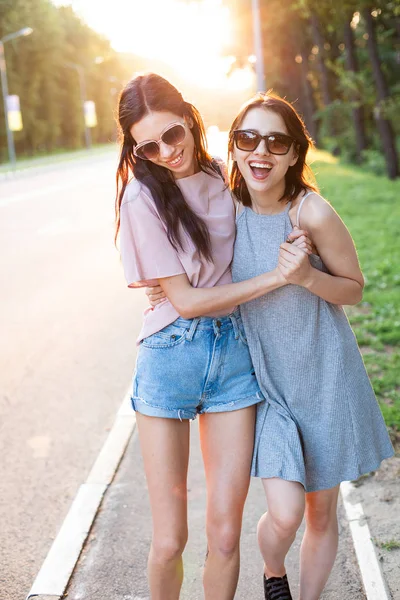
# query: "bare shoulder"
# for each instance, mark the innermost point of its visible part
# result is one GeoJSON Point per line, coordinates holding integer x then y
{"type": "Point", "coordinates": [316, 211]}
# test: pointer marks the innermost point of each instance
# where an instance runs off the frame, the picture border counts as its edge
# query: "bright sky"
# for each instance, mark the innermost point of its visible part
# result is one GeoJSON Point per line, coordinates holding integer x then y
{"type": "Point", "coordinates": [190, 36]}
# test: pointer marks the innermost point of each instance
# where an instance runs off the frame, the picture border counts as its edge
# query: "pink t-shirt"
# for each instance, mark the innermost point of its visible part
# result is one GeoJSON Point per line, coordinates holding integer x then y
{"type": "Point", "coordinates": [148, 255]}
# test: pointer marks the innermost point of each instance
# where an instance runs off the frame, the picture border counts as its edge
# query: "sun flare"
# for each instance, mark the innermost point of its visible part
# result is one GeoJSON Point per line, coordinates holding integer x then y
{"type": "Point", "coordinates": [192, 37]}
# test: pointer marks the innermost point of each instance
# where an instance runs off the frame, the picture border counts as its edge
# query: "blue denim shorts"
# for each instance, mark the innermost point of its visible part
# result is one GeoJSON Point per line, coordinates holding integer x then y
{"type": "Point", "coordinates": [195, 366]}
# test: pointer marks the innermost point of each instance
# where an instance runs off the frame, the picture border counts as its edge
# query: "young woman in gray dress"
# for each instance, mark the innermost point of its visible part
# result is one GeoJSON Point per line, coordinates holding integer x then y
{"type": "Point", "coordinates": [321, 423]}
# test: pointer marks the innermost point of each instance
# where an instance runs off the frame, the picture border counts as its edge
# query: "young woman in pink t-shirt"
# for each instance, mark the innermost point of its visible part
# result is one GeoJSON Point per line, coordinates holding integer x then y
{"type": "Point", "coordinates": [176, 222]}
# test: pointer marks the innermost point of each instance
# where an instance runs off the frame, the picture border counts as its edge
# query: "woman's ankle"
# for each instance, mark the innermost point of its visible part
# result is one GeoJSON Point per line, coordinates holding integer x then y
{"type": "Point", "coordinates": [277, 571]}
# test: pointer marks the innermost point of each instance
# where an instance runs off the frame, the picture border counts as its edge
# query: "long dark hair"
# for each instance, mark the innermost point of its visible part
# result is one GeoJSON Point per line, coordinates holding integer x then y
{"type": "Point", "coordinates": [299, 177]}
{"type": "Point", "coordinates": [142, 95]}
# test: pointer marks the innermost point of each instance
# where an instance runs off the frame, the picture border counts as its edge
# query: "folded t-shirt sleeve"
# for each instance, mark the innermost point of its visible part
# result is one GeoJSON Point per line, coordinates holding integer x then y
{"type": "Point", "coordinates": [146, 252]}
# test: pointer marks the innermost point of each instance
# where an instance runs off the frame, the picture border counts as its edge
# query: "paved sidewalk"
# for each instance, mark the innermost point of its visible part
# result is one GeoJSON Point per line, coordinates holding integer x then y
{"type": "Point", "coordinates": [112, 564]}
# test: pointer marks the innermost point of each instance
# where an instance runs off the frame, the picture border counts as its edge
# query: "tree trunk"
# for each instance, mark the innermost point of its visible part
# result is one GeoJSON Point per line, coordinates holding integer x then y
{"type": "Point", "coordinates": [324, 77]}
{"type": "Point", "coordinates": [323, 71]}
{"type": "Point", "coordinates": [308, 99]}
{"type": "Point", "coordinates": [358, 111]}
{"type": "Point", "coordinates": [384, 125]}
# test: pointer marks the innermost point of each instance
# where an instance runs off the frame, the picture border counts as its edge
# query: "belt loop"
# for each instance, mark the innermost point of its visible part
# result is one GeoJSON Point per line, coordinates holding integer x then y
{"type": "Point", "coordinates": [217, 328]}
{"type": "Point", "coordinates": [192, 328]}
{"type": "Point", "coordinates": [235, 325]}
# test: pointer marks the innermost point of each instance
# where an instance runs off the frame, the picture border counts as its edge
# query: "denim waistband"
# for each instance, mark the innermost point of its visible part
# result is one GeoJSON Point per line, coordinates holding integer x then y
{"type": "Point", "coordinates": [218, 324]}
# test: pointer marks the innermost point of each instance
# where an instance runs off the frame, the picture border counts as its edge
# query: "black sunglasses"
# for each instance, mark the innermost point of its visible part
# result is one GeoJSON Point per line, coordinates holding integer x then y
{"type": "Point", "coordinates": [276, 143]}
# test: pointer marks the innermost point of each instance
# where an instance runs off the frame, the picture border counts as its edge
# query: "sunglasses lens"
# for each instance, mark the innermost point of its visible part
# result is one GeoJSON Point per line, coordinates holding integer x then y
{"type": "Point", "coordinates": [174, 135]}
{"type": "Point", "coordinates": [148, 151]}
{"type": "Point", "coordinates": [279, 144]}
{"type": "Point", "coordinates": [246, 140]}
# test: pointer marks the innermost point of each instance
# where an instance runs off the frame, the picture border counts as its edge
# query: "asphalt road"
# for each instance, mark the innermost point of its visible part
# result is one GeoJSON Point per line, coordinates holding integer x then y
{"type": "Point", "coordinates": [67, 345]}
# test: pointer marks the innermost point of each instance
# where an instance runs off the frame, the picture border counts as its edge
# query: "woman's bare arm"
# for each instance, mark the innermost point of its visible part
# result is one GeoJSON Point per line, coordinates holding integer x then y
{"type": "Point", "coordinates": [193, 302]}
{"type": "Point", "coordinates": [344, 283]}
{"type": "Point", "coordinates": [298, 237]}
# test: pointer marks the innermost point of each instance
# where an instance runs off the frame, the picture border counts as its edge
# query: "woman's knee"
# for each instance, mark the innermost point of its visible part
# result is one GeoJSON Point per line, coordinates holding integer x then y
{"type": "Point", "coordinates": [284, 522]}
{"type": "Point", "coordinates": [321, 511]}
{"type": "Point", "coordinates": [166, 549]}
{"type": "Point", "coordinates": [223, 536]}
{"type": "Point", "coordinates": [320, 520]}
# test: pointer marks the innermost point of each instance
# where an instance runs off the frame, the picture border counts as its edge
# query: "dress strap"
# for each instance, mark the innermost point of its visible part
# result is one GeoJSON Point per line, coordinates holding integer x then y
{"type": "Point", "coordinates": [239, 208]}
{"type": "Point", "coordinates": [300, 205]}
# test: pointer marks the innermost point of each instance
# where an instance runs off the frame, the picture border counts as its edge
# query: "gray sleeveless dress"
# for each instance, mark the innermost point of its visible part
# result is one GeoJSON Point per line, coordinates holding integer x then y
{"type": "Point", "coordinates": [321, 423]}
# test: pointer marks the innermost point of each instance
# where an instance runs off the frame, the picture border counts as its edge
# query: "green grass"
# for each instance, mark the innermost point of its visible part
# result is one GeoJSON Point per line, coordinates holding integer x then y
{"type": "Point", "coordinates": [370, 207]}
{"type": "Point", "coordinates": [390, 545]}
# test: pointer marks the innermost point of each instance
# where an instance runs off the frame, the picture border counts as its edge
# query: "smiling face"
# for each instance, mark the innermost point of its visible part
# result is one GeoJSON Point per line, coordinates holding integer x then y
{"type": "Point", "coordinates": [180, 159]}
{"type": "Point", "coordinates": [263, 172]}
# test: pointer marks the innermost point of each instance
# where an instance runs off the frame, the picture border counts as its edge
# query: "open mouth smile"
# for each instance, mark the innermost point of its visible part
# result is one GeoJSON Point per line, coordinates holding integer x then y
{"type": "Point", "coordinates": [176, 162]}
{"type": "Point", "coordinates": [260, 169]}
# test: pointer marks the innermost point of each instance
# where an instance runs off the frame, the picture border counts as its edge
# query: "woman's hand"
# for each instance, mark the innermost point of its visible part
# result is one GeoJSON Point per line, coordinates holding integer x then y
{"type": "Point", "coordinates": [300, 238]}
{"type": "Point", "coordinates": [294, 264]}
{"type": "Point", "coordinates": [155, 295]}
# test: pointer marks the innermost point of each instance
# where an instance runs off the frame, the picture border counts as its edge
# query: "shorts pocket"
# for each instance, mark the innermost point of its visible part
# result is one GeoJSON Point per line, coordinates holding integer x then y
{"type": "Point", "coordinates": [170, 336]}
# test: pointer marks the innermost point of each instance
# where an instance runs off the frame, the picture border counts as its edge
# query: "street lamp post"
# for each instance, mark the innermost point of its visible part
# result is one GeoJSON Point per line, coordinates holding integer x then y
{"type": "Point", "coordinates": [4, 88]}
{"type": "Point", "coordinates": [82, 90]}
{"type": "Point", "coordinates": [258, 46]}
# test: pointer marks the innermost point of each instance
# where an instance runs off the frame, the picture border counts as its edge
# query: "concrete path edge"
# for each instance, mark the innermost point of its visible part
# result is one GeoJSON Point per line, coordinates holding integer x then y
{"type": "Point", "coordinates": [58, 566]}
{"type": "Point", "coordinates": [371, 575]}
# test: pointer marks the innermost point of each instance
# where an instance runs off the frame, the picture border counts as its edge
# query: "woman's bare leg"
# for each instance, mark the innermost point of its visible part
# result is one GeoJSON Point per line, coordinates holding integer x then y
{"type": "Point", "coordinates": [165, 449]}
{"type": "Point", "coordinates": [227, 441]}
{"type": "Point", "coordinates": [278, 526]}
{"type": "Point", "coordinates": [320, 542]}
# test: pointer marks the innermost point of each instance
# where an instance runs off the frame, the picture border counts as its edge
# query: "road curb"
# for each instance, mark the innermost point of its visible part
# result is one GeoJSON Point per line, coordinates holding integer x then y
{"type": "Point", "coordinates": [46, 597]}
{"type": "Point", "coordinates": [59, 564]}
{"type": "Point", "coordinates": [371, 575]}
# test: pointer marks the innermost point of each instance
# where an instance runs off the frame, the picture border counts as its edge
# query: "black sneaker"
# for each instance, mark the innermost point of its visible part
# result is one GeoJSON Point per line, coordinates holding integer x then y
{"type": "Point", "coordinates": [277, 588]}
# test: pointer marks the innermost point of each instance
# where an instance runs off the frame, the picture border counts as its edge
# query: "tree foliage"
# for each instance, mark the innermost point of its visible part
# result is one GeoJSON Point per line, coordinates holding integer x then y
{"type": "Point", "coordinates": [319, 55]}
{"type": "Point", "coordinates": [49, 91]}
{"type": "Point", "coordinates": [338, 61]}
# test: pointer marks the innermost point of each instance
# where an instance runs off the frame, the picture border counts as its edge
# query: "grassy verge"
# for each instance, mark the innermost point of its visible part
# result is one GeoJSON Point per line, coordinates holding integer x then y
{"type": "Point", "coordinates": [370, 207]}
{"type": "Point", "coordinates": [390, 545]}
{"type": "Point", "coordinates": [56, 157]}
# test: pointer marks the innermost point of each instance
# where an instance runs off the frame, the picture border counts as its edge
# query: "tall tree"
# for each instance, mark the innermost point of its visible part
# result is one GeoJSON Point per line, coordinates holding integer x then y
{"type": "Point", "coordinates": [384, 125]}
{"type": "Point", "coordinates": [309, 107]}
{"type": "Point", "coordinates": [358, 110]}
{"type": "Point", "coordinates": [37, 70]}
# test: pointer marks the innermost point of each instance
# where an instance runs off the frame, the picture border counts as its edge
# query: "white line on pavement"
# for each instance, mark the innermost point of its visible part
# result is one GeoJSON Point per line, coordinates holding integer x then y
{"type": "Point", "coordinates": [64, 553]}
{"type": "Point", "coordinates": [371, 575]}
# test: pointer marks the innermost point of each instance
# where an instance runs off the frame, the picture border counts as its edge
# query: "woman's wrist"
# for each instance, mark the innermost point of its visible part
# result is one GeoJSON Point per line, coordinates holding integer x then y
{"type": "Point", "coordinates": [273, 280]}
{"type": "Point", "coordinates": [309, 281]}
